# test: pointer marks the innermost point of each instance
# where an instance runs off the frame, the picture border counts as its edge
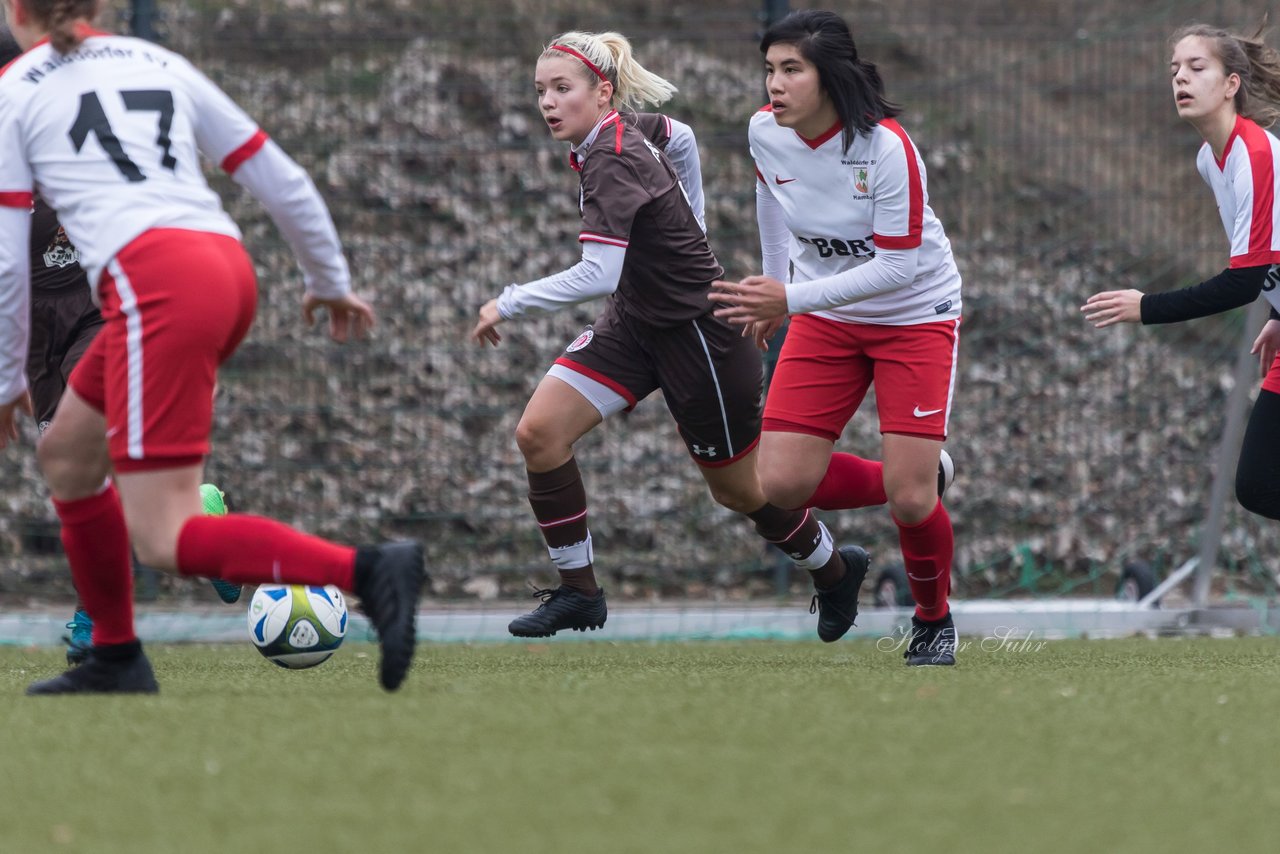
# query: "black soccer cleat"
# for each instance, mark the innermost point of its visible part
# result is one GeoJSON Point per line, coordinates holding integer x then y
{"type": "Point", "coordinates": [562, 608]}
{"type": "Point", "coordinates": [837, 607]}
{"type": "Point", "coordinates": [103, 673]}
{"type": "Point", "coordinates": [932, 644]}
{"type": "Point", "coordinates": [388, 594]}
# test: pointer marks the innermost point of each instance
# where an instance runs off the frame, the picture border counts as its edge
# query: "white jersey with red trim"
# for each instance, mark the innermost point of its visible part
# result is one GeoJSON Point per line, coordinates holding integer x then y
{"type": "Point", "coordinates": [108, 135]}
{"type": "Point", "coordinates": [1244, 186]}
{"type": "Point", "coordinates": [841, 206]}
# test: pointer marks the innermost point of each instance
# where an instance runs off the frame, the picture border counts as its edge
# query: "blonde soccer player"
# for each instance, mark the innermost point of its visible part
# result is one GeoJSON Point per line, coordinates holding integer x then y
{"type": "Point", "coordinates": [645, 252]}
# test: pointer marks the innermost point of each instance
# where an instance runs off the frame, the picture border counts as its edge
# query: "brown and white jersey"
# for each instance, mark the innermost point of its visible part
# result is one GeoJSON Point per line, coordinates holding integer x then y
{"type": "Point", "coordinates": [55, 261]}
{"type": "Point", "coordinates": [631, 197]}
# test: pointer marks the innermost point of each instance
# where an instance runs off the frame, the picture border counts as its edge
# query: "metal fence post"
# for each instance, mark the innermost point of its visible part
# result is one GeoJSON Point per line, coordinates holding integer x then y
{"type": "Point", "coordinates": [774, 11]}
{"type": "Point", "coordinates": [1228, 450]}
{"type": "Point", "coordinates": [142, 17]}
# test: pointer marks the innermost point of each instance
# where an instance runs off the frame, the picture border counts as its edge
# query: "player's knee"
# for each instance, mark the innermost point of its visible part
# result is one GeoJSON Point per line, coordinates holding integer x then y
{"type": "Point", "coordinates": [154, 548]}
{"type": "Point", "coordinates": [538, 441]}
{"type": "Point", "coordinates": [911, 505]}
{"type": "Point", "coordinates": [68, 472]}
{"type": "Point", "coordinates": [736, 499]}
{"type": "Point", "coordinates": [785, 492]}
{"type": "Point", "coordinates": [1257, 495]}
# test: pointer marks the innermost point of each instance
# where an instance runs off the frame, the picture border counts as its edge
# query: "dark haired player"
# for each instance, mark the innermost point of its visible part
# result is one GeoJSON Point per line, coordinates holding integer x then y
{"type": "Point", "coordinates": [853, 252]}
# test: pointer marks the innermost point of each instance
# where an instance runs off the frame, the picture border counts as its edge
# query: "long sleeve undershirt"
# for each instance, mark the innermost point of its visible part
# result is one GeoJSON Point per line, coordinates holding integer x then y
{"type": "Point", "coordinates": [775, 237]}
{"type": "Point", "coordinates": [682, 151]}
{"type": "Point", "coordinates": [596, 275]}
{"type": "Point", "coordinates": [1229, 289]}
{"type": "Point", "coordinates": [15, 299]}
{"type": "Point", "coordinates": [889, 270]}
{"type": "Point", "coordinates": [291, 198]}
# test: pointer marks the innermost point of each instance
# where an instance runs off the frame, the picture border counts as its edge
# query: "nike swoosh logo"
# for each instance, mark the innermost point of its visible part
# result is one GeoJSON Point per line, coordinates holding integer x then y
{"type": "Point", "coordinates": [924, 413]}
{"type": "Point", "coordinates": [781, 181]}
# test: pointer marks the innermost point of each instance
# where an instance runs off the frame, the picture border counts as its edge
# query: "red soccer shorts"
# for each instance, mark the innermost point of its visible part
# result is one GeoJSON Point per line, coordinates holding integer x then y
{"type": "Point", "coordinates": [176, 304]}
{"type": "Point", "coordinates": [1271, 382]}
{"type": "Point", "coordinates": [826, 367]}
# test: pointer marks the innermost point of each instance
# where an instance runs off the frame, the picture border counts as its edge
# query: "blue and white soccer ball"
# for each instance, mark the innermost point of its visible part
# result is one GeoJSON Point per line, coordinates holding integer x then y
{"type": "Point", "coordinates": [297, 626]}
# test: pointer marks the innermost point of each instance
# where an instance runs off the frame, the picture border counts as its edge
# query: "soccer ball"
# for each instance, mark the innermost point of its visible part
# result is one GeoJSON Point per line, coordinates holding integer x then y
{"type": "Point", "coordinates": [297, 626]}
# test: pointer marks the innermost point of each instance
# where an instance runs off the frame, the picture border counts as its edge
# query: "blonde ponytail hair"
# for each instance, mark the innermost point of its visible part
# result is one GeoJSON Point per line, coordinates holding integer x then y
{"type": "Point", "coordinates": [610, 58]}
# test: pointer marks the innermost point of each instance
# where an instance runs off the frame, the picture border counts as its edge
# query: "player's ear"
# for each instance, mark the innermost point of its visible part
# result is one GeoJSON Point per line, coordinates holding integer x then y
{"type": "Point", "coordinates": [1233, 85]}
{"type": "Point", "coordinates": [604, 92]}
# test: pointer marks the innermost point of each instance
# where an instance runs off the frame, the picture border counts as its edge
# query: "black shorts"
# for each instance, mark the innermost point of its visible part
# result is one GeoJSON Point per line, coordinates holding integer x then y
{"type": "Point", "coordinates": [63, 323]}
{"type": "Point", "coordinates": [710, 376]}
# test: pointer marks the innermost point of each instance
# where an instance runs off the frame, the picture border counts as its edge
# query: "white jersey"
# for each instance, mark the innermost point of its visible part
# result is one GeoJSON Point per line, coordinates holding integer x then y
{"type": "Point", "coordinates": [840, 207]}
{"type": "Point", "coordinates": [111, 133]}
{"type": "Point", "coordinates": [109, 136]}
{"type": "Point", "coordinates": [1244, 186]}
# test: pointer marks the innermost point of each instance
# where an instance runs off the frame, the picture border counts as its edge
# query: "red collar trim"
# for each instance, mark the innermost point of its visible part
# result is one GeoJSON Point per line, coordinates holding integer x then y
{"type": "Point", "coordinates": [1235, 132]}
{"type": "Point", "coordinates": [826, 136]}
{"type": "Point", "coordinates": [575, 162]}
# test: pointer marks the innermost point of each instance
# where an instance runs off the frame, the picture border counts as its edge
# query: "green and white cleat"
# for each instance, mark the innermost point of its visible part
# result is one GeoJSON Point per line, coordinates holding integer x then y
{"type": "Point", "coordinates": [215, 504]}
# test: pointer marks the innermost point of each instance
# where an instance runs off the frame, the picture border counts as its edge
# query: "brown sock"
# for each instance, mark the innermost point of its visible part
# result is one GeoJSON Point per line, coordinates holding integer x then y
{"type": "Point", "coordinates": [559, 502]}
{"type": "Point", "coordinates": [582, 580]}
{"type": "Point", "coordinates": [799, 535]}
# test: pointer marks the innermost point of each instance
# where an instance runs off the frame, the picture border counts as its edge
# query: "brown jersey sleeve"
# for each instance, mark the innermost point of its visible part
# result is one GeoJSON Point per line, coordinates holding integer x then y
{"type": "Point", "coordinates": [612, 193]}
{"type": "Point", "coordinates": [655, 126]}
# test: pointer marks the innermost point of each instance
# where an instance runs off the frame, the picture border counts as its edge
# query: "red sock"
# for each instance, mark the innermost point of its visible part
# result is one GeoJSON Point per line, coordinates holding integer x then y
{"type": "Point", "coordinates": [253, 550]}
{"type": "Point", "coordinates": [927, 550]}
{"type": "Point", "coordinates": [850, 482]}
{"type": "Point", "coordinates": [96, 541]}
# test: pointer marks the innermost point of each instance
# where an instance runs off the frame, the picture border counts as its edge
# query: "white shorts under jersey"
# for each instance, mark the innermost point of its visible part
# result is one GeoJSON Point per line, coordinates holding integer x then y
{"type": "Point", "coordinates": [1244, 186]}
{"type": "Point", "coordinates": [840, 207]}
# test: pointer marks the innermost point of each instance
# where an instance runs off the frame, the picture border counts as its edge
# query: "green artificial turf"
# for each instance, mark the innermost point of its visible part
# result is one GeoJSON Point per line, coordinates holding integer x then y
{"type": "Point", "coordinates": [1074, 746]}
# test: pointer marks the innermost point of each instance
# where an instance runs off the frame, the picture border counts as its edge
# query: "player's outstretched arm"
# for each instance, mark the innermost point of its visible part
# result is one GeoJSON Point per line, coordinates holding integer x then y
{"type": "Point", "coordinates": [755, 299]}
{"type": "Point", "coordinates": [1107, 308]}
{"type": "Point", "coordinates": [349, 316]}
{"type": "Point", "coordinates": [485, 331]}
{"type": "Point", "coordinates": [15, 315]}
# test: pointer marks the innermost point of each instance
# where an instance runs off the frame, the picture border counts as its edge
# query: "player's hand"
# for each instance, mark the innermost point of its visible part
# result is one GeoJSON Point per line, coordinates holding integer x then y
{"type": "Point", "coordinates": [754, 299]}
{"type": "Point", "coordinates": [1111, 307]}
{"type": "Point", "coordinates": [9, 417]}
{"type": "Point", "coordinates": [762, 330]}
{"type": "Point", "coordinates": [349, 316]}
{"type": "Point", "coordinates": [1266, 345]}
{"type": "Point", "coordinates": [486, 331]}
